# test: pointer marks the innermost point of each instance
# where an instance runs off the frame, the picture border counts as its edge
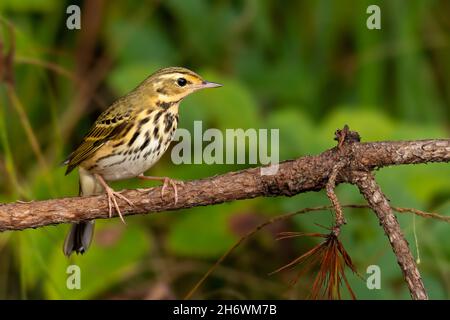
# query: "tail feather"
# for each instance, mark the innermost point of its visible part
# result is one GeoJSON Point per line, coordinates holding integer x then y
{"type": "Point", "coordinates": [79, 238]}
{"type": "Point", "coordinates": [80, 235]}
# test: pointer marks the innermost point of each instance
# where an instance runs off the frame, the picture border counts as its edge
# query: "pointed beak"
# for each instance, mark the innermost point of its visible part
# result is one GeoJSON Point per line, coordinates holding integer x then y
{"type": "Point", "coordinates": [207, 84]}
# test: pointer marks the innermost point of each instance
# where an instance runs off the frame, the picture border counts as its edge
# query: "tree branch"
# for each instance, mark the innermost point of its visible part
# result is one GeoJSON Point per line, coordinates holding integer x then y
{"type": "Point", "coordinates": [301, 175]}
{"type": "Point", "coordinates": [349, 162]}
{"type": "Point", "coordinates": [380, 205]}
{"type": "Point", "coordinates": [330, 187]}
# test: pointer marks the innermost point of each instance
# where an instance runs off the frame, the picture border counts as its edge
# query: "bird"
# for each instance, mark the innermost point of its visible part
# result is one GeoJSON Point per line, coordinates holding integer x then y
{"type": "Point", "coordinates": [126, 140]}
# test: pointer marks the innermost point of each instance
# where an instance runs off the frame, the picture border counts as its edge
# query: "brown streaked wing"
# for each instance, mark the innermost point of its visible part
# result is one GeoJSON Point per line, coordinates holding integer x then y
{"type": "Point", "coordinates": [105, 129]}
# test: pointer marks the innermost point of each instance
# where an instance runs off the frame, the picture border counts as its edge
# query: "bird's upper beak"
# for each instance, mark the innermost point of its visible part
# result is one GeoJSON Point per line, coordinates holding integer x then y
{"type": "Point", "coordinates": [207, 84]}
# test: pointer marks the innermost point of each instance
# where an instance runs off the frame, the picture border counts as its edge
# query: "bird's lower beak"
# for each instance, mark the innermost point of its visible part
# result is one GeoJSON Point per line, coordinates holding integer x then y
{"type": "Point", "coordinates": [207, 84]}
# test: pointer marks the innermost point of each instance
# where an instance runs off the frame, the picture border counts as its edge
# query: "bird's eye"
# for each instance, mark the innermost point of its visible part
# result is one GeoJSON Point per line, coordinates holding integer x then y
{"type": "Point", "coordinates": [181, 82]}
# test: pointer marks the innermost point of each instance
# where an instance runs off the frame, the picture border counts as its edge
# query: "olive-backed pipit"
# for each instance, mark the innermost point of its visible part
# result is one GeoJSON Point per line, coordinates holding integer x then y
{"type": "Point", "coordinates": [127, 139]}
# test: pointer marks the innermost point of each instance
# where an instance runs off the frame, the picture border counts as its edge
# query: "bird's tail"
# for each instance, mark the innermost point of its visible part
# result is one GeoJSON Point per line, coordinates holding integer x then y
{"type": "Point", "coordinates": [80, 235]}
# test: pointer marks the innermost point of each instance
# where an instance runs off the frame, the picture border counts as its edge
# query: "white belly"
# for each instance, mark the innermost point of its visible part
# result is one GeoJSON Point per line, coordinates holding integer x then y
{"type": "Point", "coordinates": [153, 137]}
{"type": "Point", "coordinates": [132, 164]}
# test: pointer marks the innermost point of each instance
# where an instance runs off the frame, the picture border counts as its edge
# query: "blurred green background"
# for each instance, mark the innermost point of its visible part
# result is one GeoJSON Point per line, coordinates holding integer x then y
{"type": "Point", "coordinates": [305, 67]}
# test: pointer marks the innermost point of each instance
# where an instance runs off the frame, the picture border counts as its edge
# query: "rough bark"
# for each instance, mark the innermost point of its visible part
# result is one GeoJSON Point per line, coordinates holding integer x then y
{"type": "Point", "coordinates": [304, 174]}
{"type": "Point", "coordinates": [380, 205]}
{"type": "Point", "coordinates": [349, 162]}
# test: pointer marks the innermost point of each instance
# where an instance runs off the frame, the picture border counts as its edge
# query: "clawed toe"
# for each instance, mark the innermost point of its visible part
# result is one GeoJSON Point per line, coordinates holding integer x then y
{"type": "Point", "coordinates": [112, 199]}
{"type": "Point", "coordinates": [173, 184]}
{"type": "Point", "coordinates": [166, 182]}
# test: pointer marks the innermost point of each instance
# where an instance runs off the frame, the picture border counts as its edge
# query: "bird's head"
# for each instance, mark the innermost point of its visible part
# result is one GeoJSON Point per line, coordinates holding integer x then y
{"type": "Point", "coordinates": [175, 83]}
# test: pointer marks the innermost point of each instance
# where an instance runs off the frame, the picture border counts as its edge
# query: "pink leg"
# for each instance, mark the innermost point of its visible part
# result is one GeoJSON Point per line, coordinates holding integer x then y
{"type": "Point", "coordinates": [166, 181]}
{"type": "Point", "coordinates": [112, 195]}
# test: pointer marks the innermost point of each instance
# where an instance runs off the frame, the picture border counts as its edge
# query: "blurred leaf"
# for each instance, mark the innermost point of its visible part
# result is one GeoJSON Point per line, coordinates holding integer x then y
{"type": "Point", "coordinates": [128, 76]}
{"type": "Point", "coordinates": [371, 125]}
{"type": "Point", "coordinates": [28, 5]}
{"type": "Point", "coordinates": [103, 266]}
{"type": "Point", "coordinates": [203, 232]}
{"type": "Point", "coordinates": [297, 136]}
{"type": "Point", "coordinates": [228, 107]}
{"type": "Point", "coordinates": [140, 43]}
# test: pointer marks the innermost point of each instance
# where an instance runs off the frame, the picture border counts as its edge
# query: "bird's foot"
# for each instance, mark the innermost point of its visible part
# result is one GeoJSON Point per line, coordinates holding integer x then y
{"type": "Point", "coordinates": [112, 198]}
{"type": "Point", "coordinates": [166, 182]}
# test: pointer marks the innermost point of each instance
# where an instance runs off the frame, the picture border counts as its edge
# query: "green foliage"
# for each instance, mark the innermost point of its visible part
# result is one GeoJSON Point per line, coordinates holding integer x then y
{"type": "Point", "coordinates": [203, 232]}
{"type": "Point", "coordinates": [109, 262]}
